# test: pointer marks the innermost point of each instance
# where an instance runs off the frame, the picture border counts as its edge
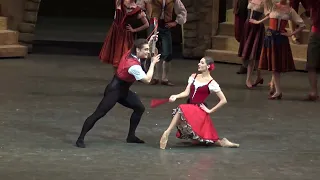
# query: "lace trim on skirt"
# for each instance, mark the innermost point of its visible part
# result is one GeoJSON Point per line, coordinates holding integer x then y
{"type": "Point", "coordinates": [185, 129]}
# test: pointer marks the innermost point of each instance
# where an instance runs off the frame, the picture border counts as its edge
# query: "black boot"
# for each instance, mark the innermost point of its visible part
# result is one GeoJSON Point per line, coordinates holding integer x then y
{"type": "Point", "coordinates": [134, 139]}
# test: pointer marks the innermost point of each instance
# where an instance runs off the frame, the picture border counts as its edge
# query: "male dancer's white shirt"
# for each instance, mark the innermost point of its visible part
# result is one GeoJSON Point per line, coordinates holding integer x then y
{"type": "Point", "coordinates": [137, 72]}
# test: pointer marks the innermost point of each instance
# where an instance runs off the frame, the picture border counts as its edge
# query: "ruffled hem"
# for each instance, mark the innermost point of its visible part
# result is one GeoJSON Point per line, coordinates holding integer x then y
{"type": "Point", "coordinates": [186, 131]}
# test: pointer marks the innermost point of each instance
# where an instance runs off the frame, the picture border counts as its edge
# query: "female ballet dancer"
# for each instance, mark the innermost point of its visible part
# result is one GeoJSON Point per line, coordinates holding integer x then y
{"type": "Point", "coordinates": [193, 119]}
{"type": "Point", "coordinates": [129, 19]}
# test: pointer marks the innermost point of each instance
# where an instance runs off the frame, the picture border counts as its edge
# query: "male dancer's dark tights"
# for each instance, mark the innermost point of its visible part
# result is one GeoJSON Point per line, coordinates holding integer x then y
{"type": "Point", "coordinates": [126, 98]}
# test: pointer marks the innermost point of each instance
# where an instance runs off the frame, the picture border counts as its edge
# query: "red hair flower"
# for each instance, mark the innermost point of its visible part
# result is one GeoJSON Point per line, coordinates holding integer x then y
{"type": "Point", "coordinates": [211, 68]}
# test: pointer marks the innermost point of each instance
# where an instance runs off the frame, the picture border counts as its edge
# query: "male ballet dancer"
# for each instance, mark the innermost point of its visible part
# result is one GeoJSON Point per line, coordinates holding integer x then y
{"type": "Point", "coordinates": [118, 90]}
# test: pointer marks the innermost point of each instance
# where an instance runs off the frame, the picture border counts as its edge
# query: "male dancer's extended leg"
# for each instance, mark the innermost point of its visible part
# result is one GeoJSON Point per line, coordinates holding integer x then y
{"type": "Point", "coordinates": [109, 100]}
{"type": "Point", "coordinates": [133, 102]}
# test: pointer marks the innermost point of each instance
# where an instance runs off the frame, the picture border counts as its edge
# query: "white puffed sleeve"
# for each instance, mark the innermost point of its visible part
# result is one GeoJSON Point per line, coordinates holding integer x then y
{"type": "Point", "coordinates": [190, 80]}
{"type": "Point", "coordinates": [214, 87]}
{"type": "Point", "coordinates": [295, 17]}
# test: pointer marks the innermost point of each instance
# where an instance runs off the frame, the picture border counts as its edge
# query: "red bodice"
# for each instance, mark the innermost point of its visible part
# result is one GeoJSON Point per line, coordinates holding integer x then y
{"type": "Point", "coordinates": [278, 24]}
{"type": "Point", "coordinates": [125, 63]}
{"type": "Point", "coordinates": [200, 94]}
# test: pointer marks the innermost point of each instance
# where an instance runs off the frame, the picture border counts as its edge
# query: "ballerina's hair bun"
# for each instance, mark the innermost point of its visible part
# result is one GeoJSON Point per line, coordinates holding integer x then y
{"type": "Point", "coordinates": [210, 62]}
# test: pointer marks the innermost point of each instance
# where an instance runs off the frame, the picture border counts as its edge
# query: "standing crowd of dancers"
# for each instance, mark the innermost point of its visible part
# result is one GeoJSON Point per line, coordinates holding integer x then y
{"type": "Point", "coordinates": [260, 48]}
{"type": "Point", "coordinates": [269, 49]}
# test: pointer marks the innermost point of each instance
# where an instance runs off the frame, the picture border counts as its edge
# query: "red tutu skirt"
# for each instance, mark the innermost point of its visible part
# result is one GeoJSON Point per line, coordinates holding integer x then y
{"type": "Point", "coordinates": [118, 42]}
{"type": "Point", "coordinates": [195, 124]}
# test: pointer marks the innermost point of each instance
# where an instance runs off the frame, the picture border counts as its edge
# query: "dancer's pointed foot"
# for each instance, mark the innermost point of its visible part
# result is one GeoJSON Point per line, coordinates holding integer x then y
{"type": "Point", "coordinates": [134, 139]}
{"type": "Point", "coordinates": [226, 143]}
{"type": "Point", "coordinates": [80, 143]}
{"type": "Point", "coordinates": [164, 140]}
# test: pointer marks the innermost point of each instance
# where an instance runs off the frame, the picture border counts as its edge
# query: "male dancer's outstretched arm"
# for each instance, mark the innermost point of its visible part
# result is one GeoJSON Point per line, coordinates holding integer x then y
{"type": "Point", "coordinates": [147, 79]}
{"type": "Point", "coordinates": [137, 70]}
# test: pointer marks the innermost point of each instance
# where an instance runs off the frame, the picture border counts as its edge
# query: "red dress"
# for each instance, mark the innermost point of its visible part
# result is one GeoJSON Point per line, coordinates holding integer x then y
{"type": "Point", "coordinates": [119, 40]}
{"type": "Point", "coordinates": [195, 123]}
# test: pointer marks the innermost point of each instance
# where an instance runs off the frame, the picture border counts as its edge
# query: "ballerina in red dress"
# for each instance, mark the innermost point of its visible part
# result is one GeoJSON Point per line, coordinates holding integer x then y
{"type": "Point", "coordinates": [193, 119]}
{"type": "Point", "coordinates": [129, 19]}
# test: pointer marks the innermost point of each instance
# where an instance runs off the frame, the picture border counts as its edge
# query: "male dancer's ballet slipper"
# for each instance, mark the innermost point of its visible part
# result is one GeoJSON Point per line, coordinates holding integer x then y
{"type": "Point", "coordinates": [164, 140]}
{"type": "Point", "coordinates": [226, 143]}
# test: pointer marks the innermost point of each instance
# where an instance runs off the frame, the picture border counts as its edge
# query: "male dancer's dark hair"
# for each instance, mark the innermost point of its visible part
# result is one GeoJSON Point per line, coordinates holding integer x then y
{"type": "Point", "coordinates": [138, 43]}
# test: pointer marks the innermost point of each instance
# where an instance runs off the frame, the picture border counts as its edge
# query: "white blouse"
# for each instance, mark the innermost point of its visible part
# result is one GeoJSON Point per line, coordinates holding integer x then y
{"type": "Point", "coordinates": [258, 5]}
{"type": "Point", "coordinates": [213, 86]}
{"type": "Point", "coordinates": [286, 13]}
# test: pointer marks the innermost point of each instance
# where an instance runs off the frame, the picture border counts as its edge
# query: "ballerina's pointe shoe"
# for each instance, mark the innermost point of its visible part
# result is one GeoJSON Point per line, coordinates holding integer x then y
{"type": "Point", "coordinates": [164, 140]}
{"type": "Point", "coordinates": [226, 143]}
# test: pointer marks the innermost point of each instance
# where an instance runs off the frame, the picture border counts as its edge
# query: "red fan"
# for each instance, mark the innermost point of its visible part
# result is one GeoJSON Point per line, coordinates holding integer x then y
{"type": "Point", "coordinates": [157, 102]}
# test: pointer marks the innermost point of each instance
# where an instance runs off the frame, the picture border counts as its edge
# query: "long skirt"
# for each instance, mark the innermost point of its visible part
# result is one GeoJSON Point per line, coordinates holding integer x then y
{"type": "Point", "coordinates": [251, 43]}
{"type": "Point", "coordinates": [118, 42]}
{"type": "Point", "coordinates": [276, 53]}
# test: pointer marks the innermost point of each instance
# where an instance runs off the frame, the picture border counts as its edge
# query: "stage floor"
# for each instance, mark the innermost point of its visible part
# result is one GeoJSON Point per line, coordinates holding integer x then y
{"type": "Point", "coordinates": [46, 98]}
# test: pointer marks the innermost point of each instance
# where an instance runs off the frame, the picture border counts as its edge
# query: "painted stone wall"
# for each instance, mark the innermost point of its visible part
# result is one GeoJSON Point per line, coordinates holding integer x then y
{"type": "Point", "coordinates": [27, 26]}
{"type": "Point", "coordinates": [22, 17]}
{"type": "Point", "coordinates": [198, 30]}
{"type": "Point", "coordinates": [13, 10]}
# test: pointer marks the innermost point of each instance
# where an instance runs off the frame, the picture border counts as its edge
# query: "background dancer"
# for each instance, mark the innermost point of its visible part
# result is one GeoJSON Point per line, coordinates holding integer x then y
{"type": "Point", "coordinates": [276, 55]}
{"type": "Point", "coordinates": [313, 56]}
{"type": "Point", "coordinates": [252, 40]}
{"type": "Point", "coordinates": [163, 11]}
{"type": "Point", "coordinates": [143, 5]}
{"type": "Point", "coordinates": [240, 12]}
{"type": "Point", "coordinates": [129, 19]}
{"type": "Point", "coordinates": [118, 90]}
{"type": "Point", "coordinates": [193, 119]}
